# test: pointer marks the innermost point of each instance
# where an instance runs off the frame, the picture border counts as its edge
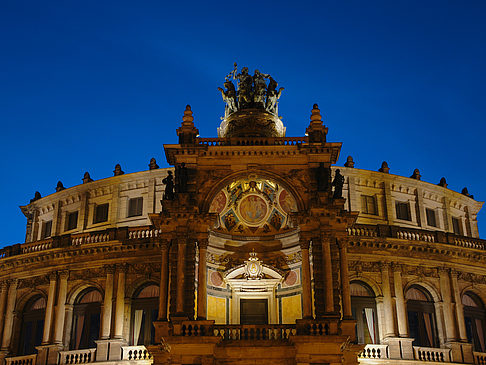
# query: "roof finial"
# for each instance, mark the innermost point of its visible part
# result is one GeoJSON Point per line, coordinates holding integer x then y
{"type": "Point", "coordinates": [349, 162]}
{"type": "Point", "coordinates": [384, 167]}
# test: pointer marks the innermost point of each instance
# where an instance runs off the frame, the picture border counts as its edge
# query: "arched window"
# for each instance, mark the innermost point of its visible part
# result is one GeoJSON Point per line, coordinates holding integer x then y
{"type": "Point", "coordinates": [475, 318]}
{"type": "Point", "coordinates": [32, 325]}
{"type": "Point", "coordinates": [86, 320]}
{"type": "Point", "coordinates": [145, 309]}
{"type": "Point", "coordinates": [363, 306]}
{"type": "Point", "coordinates": [421, 317]}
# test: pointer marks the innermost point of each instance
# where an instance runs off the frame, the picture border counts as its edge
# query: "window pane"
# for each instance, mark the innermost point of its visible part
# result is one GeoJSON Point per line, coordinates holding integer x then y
{"type": "Point", "coordinates": [72, 220]}
{"type": "Point", "coordinates": [101, 213]}
{"type": "Point", "coordinates": [431, 221]}
{"type": "Point", "coordinates": [46, 229]}
{"type": "Point", "coordinates": [135, 207]}
{"type": "Point", "coordinates": [403, 211]}
{"type": "Point", "coordinates": [456, 226]}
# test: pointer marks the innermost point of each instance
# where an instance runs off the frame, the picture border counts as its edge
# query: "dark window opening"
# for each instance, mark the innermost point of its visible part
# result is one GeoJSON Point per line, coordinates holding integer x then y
{"type": "Point", "coordinates": [145, 311]}
{"type": "Point", "coordinates": [363, 306]}
{"type": "Point", "coordinates": [431, 217]}
{"type": "Point", "coordinates": [101, 213]}
{"type": "Point", "coordinates": [32, 326]}
{"type": "Point", "coordinates": [368, 205]}
{"type": "Point", "coordinates": [403, 211]}
{"type": "Point", "coordinates": [475, 318]}
{"type": "Point", "coordinates": [86, 320]}
{"type": "Point", "coordinates": [253, 311]}
{"type": "Point", "coordinates": [46, 229]}
{"type": "Point", "coordinates": [456, 226]}
{"type": "Point", "coordinates": [135, 207]}
{"type": "Point", "coordinates": [72, 221]}
{"type": "Point", "coordinates": [421, 318]}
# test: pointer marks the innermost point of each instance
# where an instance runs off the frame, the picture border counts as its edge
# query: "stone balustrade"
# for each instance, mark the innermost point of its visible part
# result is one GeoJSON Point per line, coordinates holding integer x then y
{"type": "Point", "coordinates": [136, 353]}
{"type": "Point", "coordinates": [373, 351]}
{"type": "Point", "coordinates": [37, 246]}
{"type": "Point", "coordinates": [431, 354]}
{"type": "Point", "coordinates": [142, 232]}
{"type": "Point", "coordinates": [238, 332]}
{"type": "Point", "coordinates": [253, 141]}
{"type": "Point", "coordinates": [77, 356]}
{"type": "Point", "coordinates": [479, 358]}
{"type": "Point", "coordinates": [21, 360]}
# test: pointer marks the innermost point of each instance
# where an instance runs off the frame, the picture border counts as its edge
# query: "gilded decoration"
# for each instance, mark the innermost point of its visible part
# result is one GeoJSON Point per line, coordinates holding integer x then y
{"type": "Point", "coordinates": [253, 206]}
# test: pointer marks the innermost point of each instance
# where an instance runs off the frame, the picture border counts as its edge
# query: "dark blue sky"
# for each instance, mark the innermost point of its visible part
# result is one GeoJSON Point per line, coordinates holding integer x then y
{"type": "Point", "coordinates": [88, 84]}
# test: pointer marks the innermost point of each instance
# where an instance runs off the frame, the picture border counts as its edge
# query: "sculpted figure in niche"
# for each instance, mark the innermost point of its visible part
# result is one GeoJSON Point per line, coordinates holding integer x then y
{"type": "Point", "coordinates": [272, 96]}
{"type": "Point", "coordinates": [338, 184]}
{"type": "Point", "coordinates": [168, 181]}
{"type": "Point", "coordinates": [229, 97]}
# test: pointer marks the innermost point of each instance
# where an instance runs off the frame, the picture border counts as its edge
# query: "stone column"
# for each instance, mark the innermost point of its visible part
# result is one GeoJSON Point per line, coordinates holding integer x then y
{"type": "Point", "coordinates": [461, 324]}
{"type": "Point", "coordinates": [9, 314]}
{"type": "Point", "coordinates": [445, 290]}
{"type": "Point", "coordinates": [181, 270]}
{"type": "Point", "coordinates": [46, 337]}
{"type": "Point", "coordinates": [202, 280]}
{"type": "Point", "coordinates": [306, 280]}
{"type": "Point", "coordinates": [120, 303]}
{"type": "Point", "coordinates": [400, 302]}
{"type": "Point", "coordinates": [107, 304]}
{"type": "Point", "coordinates": [387, 301]}
{"type": "Point", "coordinates": [61, 307]}
{"type": "Point", "coordinates": [164, 281]}
{"type": "Point", "coordinates": [343, 267]}
{"type": "Point", "coordinates": [3, 303]}
{"type": "Point", "coordinates": [326, 262]}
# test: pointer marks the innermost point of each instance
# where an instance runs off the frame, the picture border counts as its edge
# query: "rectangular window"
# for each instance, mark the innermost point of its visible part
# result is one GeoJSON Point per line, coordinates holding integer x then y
{"type": "Point", "coordinates": [72, 220]}
{"type": "Point", "coordinates": [403, 211]}
{"type": "Point", "coordinates": [101, 213]}
{"type": "Point", "coordinates": [431, 219]}
{"type": "Point", "coordinates": [135, 207]}
{"type": "Point", "coordinates": [46, 229]}
{"type": "Point", "coordinates": [456, 226]}
{"type": "Point", "coordinates": [368, 205]}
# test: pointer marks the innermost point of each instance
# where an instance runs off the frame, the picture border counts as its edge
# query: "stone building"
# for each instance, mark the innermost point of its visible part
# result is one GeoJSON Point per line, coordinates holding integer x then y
{"type": "Point", "coordinates": [254, 248]}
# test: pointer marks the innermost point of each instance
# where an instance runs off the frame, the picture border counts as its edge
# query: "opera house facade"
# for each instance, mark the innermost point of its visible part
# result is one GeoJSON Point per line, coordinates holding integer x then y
{"type": "Point", "coordinates": [253, 249]}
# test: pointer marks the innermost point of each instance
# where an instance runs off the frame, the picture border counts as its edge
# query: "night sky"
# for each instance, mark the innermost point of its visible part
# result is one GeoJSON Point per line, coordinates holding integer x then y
{"type": "Point", "coordinates": [85, 85]}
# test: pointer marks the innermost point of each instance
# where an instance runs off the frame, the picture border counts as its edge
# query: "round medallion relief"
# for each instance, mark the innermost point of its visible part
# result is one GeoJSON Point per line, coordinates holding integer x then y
{"type": "Point", "coordinates": [291, 278]}
{"type": "Point", "coordinates": [216, 278]}
{"type": "Point", "coordinates": [252, 209]}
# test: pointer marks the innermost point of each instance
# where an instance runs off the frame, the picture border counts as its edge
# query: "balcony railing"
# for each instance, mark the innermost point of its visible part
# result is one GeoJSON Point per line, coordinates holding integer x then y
{"type": "Point", "coordinates": [21, 360]}
{"type": "Point", "coordinates": [432, 354]}
{"type": "Point", "coordinates": [374, 352]}
{"type": "Point", "coordinates": [479, 358]}
{"type": "Point", "coordinates": [77, 356]}
{"type": "Point", "coordinates": [147, 233]}
{"type": "Point", "coordinates": [253, 141]}
{"type": "Point", "coordinates": [136, 353]}
{"type": "Point", "coordinates": [240, 332]}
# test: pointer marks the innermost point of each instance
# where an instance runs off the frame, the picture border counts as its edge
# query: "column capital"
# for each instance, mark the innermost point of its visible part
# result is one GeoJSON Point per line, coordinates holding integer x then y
{"type": "Point", "coordinates": [384, 265]}
{"type": "Point", "coordinates": [396, 267]}
{"type": "Point", "coordinates": [455, 273]}
{"type": "Point", "coordinates": [52, 276]}
{"type": "Point", "coordinates": [122, 268]}
{"type": "Point", "coordinates": [342, 243]}
{"type": "Point", "coordinates": [109, 269]}
{"type": "Point", "coordinates": [164, 243]}
{"type": "Point", "coordinates": [12, 282]}
{"type": "Point", "coordinates": [63, 274]}
{"type": "Point", "coordinates": [443, 270]}
{"type": "Point", "coordinates": [3, 285]}
{"type": "Point", "coordinates": [203, 244]}
{"type": "Point", "coordinates": [304, 243]}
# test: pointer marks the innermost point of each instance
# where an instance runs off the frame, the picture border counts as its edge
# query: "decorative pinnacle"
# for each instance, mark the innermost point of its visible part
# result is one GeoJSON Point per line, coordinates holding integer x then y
{"type": "Point", "coordinates": [316, 114]}
{"type": "Point", "coordinates": [349, 162]}
{"type": "Point", "coordinates": [384, 167]}
{"type": "Point", "coordinates": [188, 117]}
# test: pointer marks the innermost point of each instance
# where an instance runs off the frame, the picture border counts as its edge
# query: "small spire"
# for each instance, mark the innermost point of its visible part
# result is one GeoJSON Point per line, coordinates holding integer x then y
{"type": "Point", "coordinates": [188, 117]}
{"type": "Point", "coordinates": [59, 186]}
{"type": "Point", "coordinates": [443, 182]}
{"type": "Point", "coordinates": [384, 167]}
{"type": "Point", "coordinates": [416, 174]}
{"type": "Point", "coordinates": [316, 114]}
{"type": "Point", "coordinates": [316, 131]}
{"type": "Point", "coordinates": [118, 170]}
{"type": "Point", "coordinates": [153, 164]}
{"type": "Point", "coordinates": [349, 162]}
{"type": "Point", "coordinates": [187, 132]}
{"type": "Point", "coordinates": [87, 178]}
{"type": "Point", "coordinates": [37, 196]}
